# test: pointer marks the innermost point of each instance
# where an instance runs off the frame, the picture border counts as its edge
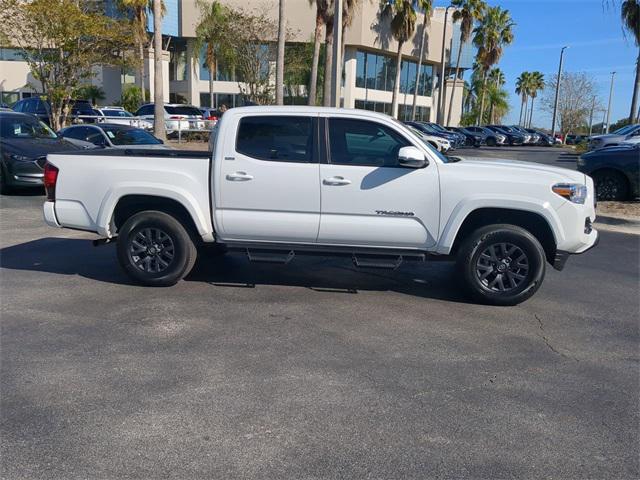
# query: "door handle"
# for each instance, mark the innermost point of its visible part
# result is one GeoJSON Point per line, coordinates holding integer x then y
{"type": "Point", "coordinates": [239, 177]}
{"type": "Point", "coordinates": [336, 181]}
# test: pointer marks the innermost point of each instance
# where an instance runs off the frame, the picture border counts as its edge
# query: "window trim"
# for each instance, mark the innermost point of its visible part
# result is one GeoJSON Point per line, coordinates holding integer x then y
{"type": "Point", "coordinates": [314, 153]}
{"type": "Point", "coordinates": [327, 143]}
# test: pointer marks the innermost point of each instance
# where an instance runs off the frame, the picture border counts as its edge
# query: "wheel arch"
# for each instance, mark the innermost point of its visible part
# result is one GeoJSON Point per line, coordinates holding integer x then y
{"type": "Point", "coordinates": [534, 222]}
{"type": "Point", "coordinates": [619, 171]}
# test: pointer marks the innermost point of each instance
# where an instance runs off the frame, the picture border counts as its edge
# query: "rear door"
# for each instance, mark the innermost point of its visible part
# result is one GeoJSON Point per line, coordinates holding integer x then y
{"type": "Point", "coordinates": [269, 188]}
{"type": "Point", "coordinates": [367, 198]}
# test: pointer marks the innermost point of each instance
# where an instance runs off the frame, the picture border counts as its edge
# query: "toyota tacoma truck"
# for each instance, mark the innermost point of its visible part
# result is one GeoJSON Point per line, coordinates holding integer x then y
{"type": "Point", "coordinates": [287, 181]}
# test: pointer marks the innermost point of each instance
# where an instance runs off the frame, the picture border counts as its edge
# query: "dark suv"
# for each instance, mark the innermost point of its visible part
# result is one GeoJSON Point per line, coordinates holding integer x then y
{"type": "Point", "coordinates": [80, 109]}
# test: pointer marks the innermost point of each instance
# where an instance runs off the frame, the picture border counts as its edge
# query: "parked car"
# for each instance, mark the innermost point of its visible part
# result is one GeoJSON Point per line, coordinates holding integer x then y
{"type": "Point", "coordinates": [513, 137]}
{"type": "Point", "coordinates": [439, 143]}
{"type": "Point", "coordinates": [492, 138]}
{"type": "Point", "coordinates": [458, 140]}
{"type": "Point", "coordinates": [81, 110]}
{"type": "Point", "coordinates": [429, 130]}
{"type": "Point", "coordinates": [612, 139]}
{"type": "Point", "coordinates": [530, 138]}
{"type": "Point", "coordinates": [472, 139]}
{"type": "Point", "coordinates": [24, 143]}
{"type": "Point", "coordinates": [110, 135]}
{"type": "Point", "coordinates": [386, 198]}
{"type": "Point", "coordinates": [615, 171]}
{"type": "Point", "coordinates": [632, 139]}
{"type": "Point", "coordinates": [177, 117]}
{"type": "Point", "coordinates": [543, 138]}
{"type": "Point", "coordinates": [575, 139]}
{"type": "Point", "coordinates": [118, 115]}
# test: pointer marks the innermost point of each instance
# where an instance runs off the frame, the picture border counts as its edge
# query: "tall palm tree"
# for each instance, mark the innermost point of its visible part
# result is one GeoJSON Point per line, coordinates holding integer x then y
{"type": "Point", "coordinates": [403, 24]}
{"type": "Point", "coordinates": [282, 22]}
{"type": "Point", "coordinates": [159, 128]}
{"type": "Point", "coordinates": [630, 13]}
{"type": "Point", "coordinates": [467, 13]}
{"type": "Point", "coordinates": [211, 35]}
{"type": "Point", "coordinates": [522, 89]}
{"type": "Point", "coordinates": [322, 7]}
{"type": "Point", "coordinates": [491, 35]}
{"type": "Point", "coordinates": [536, 84]}
{"type": "Point", "coordinates": [496, 80]}
{"type": "Point", "coordinates": [139, 20]}
{"type": "Point", "coordinates": [498, 100]}
{"type": "Point", "coordinates": [426, 6]}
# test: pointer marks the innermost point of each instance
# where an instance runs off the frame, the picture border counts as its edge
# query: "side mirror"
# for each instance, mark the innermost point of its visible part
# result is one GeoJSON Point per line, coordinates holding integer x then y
{"type": "Point", "coordinates": [412, 157]}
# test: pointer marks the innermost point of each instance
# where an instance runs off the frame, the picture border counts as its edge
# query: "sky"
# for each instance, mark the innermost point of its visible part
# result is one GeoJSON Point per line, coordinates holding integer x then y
{"type": "Point", "coordinates": [597, 46]}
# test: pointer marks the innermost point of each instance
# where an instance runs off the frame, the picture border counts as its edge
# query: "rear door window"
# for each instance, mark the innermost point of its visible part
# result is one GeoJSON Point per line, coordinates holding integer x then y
{"type": "Point", "coordinates": [276, 138]}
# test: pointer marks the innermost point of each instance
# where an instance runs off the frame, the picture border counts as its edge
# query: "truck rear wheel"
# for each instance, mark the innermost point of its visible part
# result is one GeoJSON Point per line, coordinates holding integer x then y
{"type": "Point", "coordinates": [155, 249]}
{"type": "Point", "coordinates": [501, 264]}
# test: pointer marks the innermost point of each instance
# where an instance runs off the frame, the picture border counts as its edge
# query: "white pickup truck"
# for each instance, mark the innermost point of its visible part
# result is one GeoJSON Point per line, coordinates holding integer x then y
{"type": "Point", "coordinates": [302, 180]}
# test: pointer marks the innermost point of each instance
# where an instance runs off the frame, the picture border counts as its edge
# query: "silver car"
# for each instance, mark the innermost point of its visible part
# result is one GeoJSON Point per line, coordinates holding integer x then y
{"type": "Point", "coordinates": [177, 117]}
{"type": "Point", "coordinates": [613, 139]}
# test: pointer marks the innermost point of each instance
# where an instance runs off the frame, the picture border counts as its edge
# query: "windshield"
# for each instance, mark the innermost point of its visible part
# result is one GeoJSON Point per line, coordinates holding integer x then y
{"type": "Point", "coordinates": [625, 130]}
{"type": "Point", "coordinates": [24, 127]}
{"type": "Point", "coordinates": [130, 136]}
{"type": "Point", "coordinates": [116, 113]}
{"type": "Point", "coordinates": [186, 110]}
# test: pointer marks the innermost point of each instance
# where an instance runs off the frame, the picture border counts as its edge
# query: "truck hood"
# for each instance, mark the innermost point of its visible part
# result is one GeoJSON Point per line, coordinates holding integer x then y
{"type": "Point", "coordinates": [523, 168]}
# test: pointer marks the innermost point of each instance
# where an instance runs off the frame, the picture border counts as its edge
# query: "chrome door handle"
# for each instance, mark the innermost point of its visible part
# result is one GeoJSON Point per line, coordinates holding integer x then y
{"type": "Point", "coordinates": [336, 181]}
{"type": "Point", "coordinates": [239, 177]}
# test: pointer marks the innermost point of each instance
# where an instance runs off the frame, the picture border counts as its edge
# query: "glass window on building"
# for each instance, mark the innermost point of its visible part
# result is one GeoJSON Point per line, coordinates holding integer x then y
{"type": "Point", "coordinates": [378, 72]}
{"type": "Point", "coordinates": [9, 98]}
{"type": "Point", "coordinates": [360, 69]}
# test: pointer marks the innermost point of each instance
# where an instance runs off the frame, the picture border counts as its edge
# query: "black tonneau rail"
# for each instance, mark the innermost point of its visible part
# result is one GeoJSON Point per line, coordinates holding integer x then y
{"type": "Point", "coordinates": [139, 152]}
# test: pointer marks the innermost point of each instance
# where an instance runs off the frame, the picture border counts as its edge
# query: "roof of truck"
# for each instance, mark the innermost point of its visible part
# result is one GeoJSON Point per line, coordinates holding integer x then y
{"type": "Point", "coordinates": [298, 109]}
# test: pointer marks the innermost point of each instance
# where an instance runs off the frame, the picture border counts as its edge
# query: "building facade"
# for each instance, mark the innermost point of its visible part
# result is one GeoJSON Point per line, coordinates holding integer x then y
{"type": "Point", "coordinates": [369, 67]}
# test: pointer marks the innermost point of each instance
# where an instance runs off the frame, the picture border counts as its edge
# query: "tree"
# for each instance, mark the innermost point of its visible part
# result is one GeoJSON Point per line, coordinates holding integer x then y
{"type": "Point", "coordinates": [495, 81]}
{"type": "Point", "coordinates": [522, 89]}
{"type": "Point", "coordinates": [467, 13]}
{"type": "Point", "coordinates": [536, 84]}
{"type": "Point", "coordinates": [139, 21]}
{"type": "Point", "coordinates": [62, 41]}
{"type": "Point", "coordinates": [403, 23]}
{"type": "Point", "coordinates": [280, 54]}
{"type": "Point", "coordinates": [630, 13]}
{"type": "Point", "coordinates": [490, 36]}
{"type": "Point", "coordinates": [577, 90]}
{"type": "Point", "coordinates": [131, 98]}
{"type": "Point", "coordinates": [91, 92]}
{"type": "Point", "coordinates": [426, 6]}
{"type": "Point", "coordinates": [322, 7]}
{"type": "Point", "coordinates": [213, 33]}
{"type": "Point", "coordinates": [159, 127]}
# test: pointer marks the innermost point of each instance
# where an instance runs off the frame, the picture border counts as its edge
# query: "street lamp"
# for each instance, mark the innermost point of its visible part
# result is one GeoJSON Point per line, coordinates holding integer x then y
{"type": "Point", "coordinates": [613, 74]}
{"type": "Point", "coordinates": [555, 105]}
{"type": "Point", "coordinates": [441, 100]}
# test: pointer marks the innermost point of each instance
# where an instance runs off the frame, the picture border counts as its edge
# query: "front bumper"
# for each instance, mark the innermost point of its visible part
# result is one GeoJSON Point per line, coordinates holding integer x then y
{"type": "Point", "coordinates": [561, 256]}
{"type": "Point", "coordinates": [24, 174]}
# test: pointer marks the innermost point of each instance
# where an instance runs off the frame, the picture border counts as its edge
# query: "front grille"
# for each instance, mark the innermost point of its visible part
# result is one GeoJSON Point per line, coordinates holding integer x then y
{"type": "Point", "coordinates": [41, 161]}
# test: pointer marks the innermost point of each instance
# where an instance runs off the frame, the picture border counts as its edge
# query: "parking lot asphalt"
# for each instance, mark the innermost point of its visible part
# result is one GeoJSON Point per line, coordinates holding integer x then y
{"type": "Point", "coordinates": [313, 370]}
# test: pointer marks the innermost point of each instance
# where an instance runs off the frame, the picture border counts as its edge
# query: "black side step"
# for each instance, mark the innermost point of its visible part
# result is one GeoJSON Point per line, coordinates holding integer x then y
{"type": "Point", "coordinates": [377, 261]}
{"type": "Point", "coordinates": [270, 255]}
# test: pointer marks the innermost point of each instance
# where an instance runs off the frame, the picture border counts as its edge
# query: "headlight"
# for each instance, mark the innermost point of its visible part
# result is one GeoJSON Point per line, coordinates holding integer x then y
{"type": "Point", "coordinates": [573, 192]}
{"type": "Point", "coordinates": [20, 158]}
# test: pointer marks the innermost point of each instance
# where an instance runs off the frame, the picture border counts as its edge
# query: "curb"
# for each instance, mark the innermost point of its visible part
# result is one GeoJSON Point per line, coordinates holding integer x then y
{"type": "Point", "coordinates": [618, 224]}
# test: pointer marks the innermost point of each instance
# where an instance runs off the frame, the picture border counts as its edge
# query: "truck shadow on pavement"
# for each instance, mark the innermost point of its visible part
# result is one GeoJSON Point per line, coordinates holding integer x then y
{"type": "Point", "coordinates": [65, 256]}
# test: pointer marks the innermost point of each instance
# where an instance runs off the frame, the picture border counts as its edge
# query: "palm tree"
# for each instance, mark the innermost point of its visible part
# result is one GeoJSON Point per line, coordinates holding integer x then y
{"type": "Point", "coordinates": [468, 12]}
{"type": "Point", "coordinates": [522, 89]}
{"type": "Point", "coordinates": [280, 55]}
{"type": "Point", "coordinates": [211, 34]}
{"type": "Point", "coordinates": [91, 92]}
{"type": "Point", "coordinates": [491, 35]}
{"type": "Point", "coordinates": [426, 6]}
{"type": "Point", "coordinates": [159, 129]}
{"type": "Point", "coordinates": [322, 7]}
{"type": "Point", "coordinates": [496, 80]}
{"type": "Point", "coordinates": [403, 24]}
{"type": "Point", "coordinates": [498, 100]}
{"type": "Point", "coordinates": [536, 84]}
{"type": "Point", "coordinates": [630, 13]}
{"type": "Point", "coordinates": [138, 10]}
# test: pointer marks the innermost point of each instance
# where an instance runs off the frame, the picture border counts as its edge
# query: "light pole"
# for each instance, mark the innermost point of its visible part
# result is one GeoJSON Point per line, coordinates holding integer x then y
{"type": "Point", "coordinates": [593, 107]}
{"type": "Point", "coordinates": [613, 74]}
{"type": "Point", "coordinates": [336, 67]}
{"type": "Point", "coordinates": [555, 105]}
{"type": "Point", "coordinates": [441, 100]}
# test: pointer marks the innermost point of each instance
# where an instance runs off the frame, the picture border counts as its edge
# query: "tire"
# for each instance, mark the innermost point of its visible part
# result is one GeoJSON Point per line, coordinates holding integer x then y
{"type": "Point", "coordinates": [492, 278]}
{"type": "Point", "coordinates": [155, 249]}
{"type": "Point", "coordinates": [610, 186]}
{"type": "Point", "coordinates": [491, 142]}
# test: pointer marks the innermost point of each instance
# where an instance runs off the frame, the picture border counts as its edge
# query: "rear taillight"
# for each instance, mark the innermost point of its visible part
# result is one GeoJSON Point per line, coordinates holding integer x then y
{"type": "Point", "coordinates": [50, 179]}
{"type": "Point", "coordinates": [212, 118]}
{"type": "Point", "coordinates": [175, 118]}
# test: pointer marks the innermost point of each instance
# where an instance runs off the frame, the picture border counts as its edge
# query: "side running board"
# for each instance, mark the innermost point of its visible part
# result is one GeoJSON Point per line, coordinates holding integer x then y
{"type": "Point", "coordinates": [270, 256]}
{"type": "Point", "coordinates": [377, 261]}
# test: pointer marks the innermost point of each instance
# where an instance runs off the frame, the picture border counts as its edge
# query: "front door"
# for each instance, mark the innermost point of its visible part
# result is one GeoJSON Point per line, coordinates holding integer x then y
{"type": "Point", "coordinates": [367, 198]}
{"type": "Point", "coordinates": [269, 188]}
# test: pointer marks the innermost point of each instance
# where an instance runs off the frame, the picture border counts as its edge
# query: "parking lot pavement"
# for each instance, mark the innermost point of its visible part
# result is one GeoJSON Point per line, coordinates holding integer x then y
{"type": "Point", "coordinates": [314, 370]}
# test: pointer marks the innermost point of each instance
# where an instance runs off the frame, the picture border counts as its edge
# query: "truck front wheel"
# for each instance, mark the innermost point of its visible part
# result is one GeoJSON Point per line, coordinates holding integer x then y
{"type": "Point", "coordinates": [501, 264]}
{"type": "Point", "coordinates": [155, 249]}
